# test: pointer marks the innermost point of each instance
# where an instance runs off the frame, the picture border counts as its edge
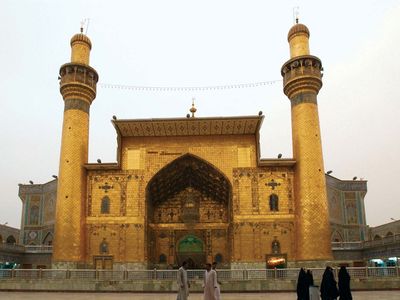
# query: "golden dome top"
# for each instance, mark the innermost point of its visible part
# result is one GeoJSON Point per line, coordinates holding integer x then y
{"type": "Point", "coordinates": [80, 37]}
{"type": "Point", "coordinates": [298, 29]}
{"type": "Point", "coordinates": [193, 109]}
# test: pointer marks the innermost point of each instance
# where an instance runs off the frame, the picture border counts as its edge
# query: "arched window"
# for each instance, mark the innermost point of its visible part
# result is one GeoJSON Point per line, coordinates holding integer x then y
{"type": "Point", "coordinates": [34, 215]}
{"type": "Point", "coordinates": [11, 240]}
{"type": "Point", "coordinates": [336, 237]}
{"type": "Point", "coordinates": [103, 247]}
{"type": "Point", "coordinates": [105, 205]}
{"type": "Point", "coordinates": [276, 247]}
{"type": "Point", "coordinates": [389, 234]}
{"type": "Point", "coordinates": [1, 239]}
{"type": "Point", "coordinates": [218, 258]}
{"type": "Point", "coordinates": [377, 237]}
{"type": "Point", "coordinates": [274, 202]}
{"type": "Point", "coordinates": [162, 259]}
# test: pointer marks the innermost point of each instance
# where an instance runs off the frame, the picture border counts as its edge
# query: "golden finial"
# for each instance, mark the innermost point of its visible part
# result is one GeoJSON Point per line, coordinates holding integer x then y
{"type": "Point", "coordinates": [82, 24]}
{"type": "Point", "coordinates": [193, 109]}
{"type": "Point", "coordinates": [296, 14]}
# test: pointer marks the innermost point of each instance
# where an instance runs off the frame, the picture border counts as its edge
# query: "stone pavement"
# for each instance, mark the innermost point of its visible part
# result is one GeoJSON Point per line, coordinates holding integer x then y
{"type": "Point", "coordinates": [368, 295]}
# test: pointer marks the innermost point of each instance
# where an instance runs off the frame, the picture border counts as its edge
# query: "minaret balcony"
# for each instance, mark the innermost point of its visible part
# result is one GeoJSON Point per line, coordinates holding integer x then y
{"type": "Point", "coordinates": [302, 73]}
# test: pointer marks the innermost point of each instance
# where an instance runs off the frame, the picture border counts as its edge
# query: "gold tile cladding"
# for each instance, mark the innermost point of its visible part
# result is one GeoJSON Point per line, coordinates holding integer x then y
{"type": "Point", "coordinates": [302, 81]}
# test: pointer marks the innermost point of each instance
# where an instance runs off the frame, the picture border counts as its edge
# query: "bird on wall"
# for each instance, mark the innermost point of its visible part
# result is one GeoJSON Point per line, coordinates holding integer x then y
{"type": "Point", "coordinates": [280, 155]}
{"type": "Point", "coordinates": [99, 160]}
{"type": "Point", "coordinates": [30, 181]}
{"type": "Point", "coordinates": [329, 172]}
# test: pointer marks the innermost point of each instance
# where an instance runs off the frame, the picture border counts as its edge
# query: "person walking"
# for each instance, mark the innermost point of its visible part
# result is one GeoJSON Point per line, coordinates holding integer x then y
{"type": "Point", "coordinates": [310, 278]}
{"type": "Point", "coordinates": [183, 284]}
{"type": "Point", "coordinates": [329, 289]}
{"type": "Point", "coordinates": [344, 284]}
{"type": "Point", "coordinates": [210, 283]}
{"type": "Point", "coordinates": [302, 285]}
{"type": "Point", "coordinates": [218, 288]}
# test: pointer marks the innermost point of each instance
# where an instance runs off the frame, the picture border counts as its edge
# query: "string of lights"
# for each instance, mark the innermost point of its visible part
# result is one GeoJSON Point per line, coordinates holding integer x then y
{"type": "Point", "coordinates": [187, 88]}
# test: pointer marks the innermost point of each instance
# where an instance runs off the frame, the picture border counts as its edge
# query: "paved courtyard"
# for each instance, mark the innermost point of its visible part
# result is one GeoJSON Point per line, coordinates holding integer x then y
{"type": "Point", "coordinates": [368, 295]}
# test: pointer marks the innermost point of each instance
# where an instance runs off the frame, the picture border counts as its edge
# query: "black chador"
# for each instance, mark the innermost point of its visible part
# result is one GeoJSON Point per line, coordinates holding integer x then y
{"type": "Point", "coordinates": [344, 284]}
{"type": "Point", "coordinates": [329, 289]}
{"type": "Point", "coordinates": [302, 286]}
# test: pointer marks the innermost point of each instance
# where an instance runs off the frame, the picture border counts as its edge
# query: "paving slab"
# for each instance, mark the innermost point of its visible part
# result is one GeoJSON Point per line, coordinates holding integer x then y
{"type": "Point", "coordinates": [367, 295]}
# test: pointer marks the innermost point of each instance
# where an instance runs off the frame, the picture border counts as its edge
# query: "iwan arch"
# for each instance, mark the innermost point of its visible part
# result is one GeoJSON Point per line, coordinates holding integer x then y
{"type": "Point", "coordinates": [192, 188]}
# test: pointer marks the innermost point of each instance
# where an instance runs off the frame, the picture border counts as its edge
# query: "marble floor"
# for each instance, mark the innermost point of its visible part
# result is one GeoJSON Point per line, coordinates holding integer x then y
{"type": "Point", "coordinates": [381, 295]}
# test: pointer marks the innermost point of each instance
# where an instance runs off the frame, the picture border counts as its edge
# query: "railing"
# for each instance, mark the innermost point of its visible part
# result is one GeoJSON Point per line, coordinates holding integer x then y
{"type": "Point", "coordinates": [223, 275]}
{"type": "Point", "coordinates": [11, 247]}
{"type": "Point", "coordinates": [366, 244]}
{"type": "Point", "coordinates": [38, 249]}
{"type": "Point", "coordinates": [26, 248]}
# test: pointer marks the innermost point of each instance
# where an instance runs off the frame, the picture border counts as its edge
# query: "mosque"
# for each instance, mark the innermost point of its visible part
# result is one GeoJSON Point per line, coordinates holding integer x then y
{"type": "Point", "coordinates": [193, 188]}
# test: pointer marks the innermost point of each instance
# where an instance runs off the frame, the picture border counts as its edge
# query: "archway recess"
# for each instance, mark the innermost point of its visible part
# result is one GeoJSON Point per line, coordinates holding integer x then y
{"type": "Point", "coordinates": [189, 197]}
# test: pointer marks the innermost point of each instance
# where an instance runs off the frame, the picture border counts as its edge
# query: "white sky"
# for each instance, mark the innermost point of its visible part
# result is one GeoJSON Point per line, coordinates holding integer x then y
{"type": "Point", "coordinates": [197, 43]}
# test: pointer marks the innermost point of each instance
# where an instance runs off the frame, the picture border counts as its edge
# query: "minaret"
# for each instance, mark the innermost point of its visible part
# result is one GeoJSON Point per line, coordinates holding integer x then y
{"type": "Point", "coordinates": [302, 81]}
{"type": "Point", "coordinates": [78, 87]}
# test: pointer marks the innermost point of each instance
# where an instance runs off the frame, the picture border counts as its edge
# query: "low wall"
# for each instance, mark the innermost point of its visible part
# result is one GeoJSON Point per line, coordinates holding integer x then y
{"type": "Point", "coordinates": [170, 285]}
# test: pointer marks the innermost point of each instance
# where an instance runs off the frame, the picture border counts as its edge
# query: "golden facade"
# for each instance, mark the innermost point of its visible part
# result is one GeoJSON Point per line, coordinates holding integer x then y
{"type": "Point", "coordinates": [191, 188]}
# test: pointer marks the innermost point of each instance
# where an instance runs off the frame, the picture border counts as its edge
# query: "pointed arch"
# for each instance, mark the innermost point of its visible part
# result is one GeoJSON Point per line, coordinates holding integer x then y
{"type": "Point", "coordinates": [190, 243]}
{"type": "Point", "coordinates": [187, 190]}
{"type": "Point", "coordinates": [188, 170]}
{"type": "Point", "coordinates": [48, 239]}
{"type": "Point", "coordinates": [377, 237]}
{"type": "Point", "coordinates": [336, 237]}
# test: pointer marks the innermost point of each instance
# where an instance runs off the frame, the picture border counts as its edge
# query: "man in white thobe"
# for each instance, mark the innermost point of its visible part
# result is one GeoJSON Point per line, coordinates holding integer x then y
{"type": "Point", "coordinates": [210, 283]}
{"type": "Point", "coordinates": [218, 289]}
{"type": "Point", "coordinates": [183, 284]}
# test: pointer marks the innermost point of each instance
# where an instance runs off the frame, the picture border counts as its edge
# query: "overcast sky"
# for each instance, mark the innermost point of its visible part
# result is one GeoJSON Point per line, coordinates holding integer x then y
{"type": "Point", "coordinates": [202, 43]}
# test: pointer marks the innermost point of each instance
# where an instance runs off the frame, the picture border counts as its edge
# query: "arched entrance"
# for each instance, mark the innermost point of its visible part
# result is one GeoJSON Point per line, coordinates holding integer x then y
{"type": "Point", "coordinates": [188, 213]}
{"type": "Point", "coordinates": [191, 249]}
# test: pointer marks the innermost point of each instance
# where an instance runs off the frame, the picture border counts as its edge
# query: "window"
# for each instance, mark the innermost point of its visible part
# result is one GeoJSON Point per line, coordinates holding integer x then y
{"type": "Point", "coordinates": [273, 202]}
{"type": "Point", "coordinates": [162, 259]}
{"type": "Point", "coordinates": [105, 205]}
{"type": "Point", "coordinates": [218, 258]}
{"type": "Point", "coordinates": [276, 247]}
{"type": "Point", "coordinates": [11, 240]}
{"type": "Point", "coordinates": [34, 215]}
{"type": "Point", "coordinates": [103, 247]}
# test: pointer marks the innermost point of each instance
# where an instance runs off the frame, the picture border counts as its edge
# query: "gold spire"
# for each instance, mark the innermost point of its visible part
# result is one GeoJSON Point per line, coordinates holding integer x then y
{"type": "Point", "coordinates": [193, 109]}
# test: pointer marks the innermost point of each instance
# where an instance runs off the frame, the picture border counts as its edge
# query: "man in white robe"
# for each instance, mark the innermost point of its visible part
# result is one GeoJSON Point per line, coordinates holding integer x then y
{"type": "Point", "coordinates": [210, 283]}
{"type": "Point", "coordinates": [218, 289]}
{"type": "Point", "coordinates": [183, 284]}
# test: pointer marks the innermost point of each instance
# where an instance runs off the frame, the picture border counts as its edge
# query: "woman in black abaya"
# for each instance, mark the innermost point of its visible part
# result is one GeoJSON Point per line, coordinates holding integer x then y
{"type": "Point", "coordinates": [344, 284]}
{"type": "Point", "coordinates": [328, 289]}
